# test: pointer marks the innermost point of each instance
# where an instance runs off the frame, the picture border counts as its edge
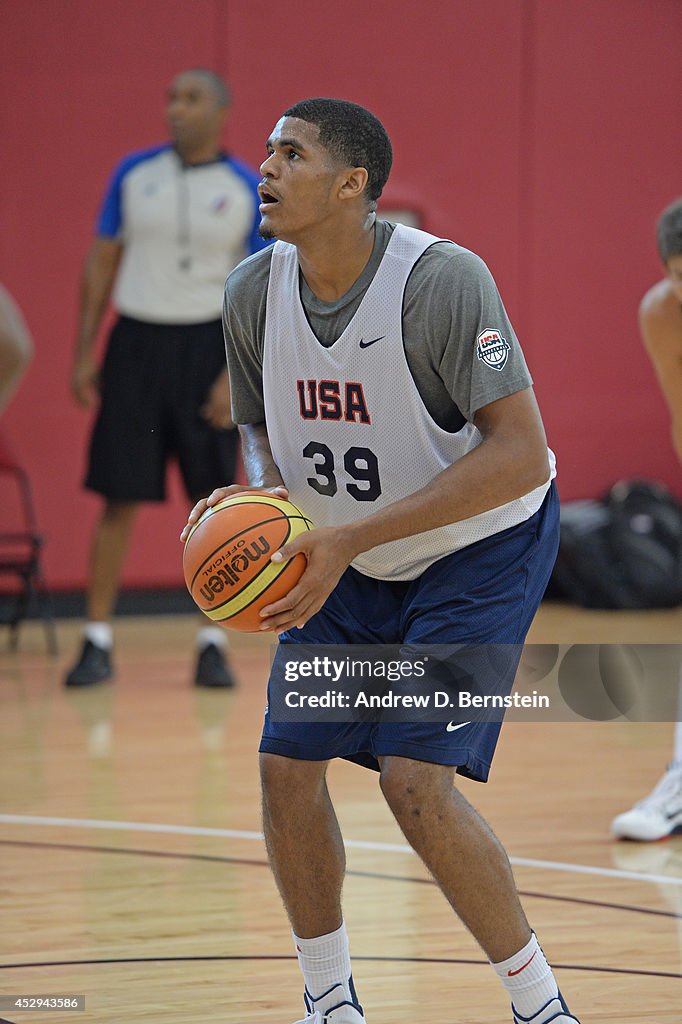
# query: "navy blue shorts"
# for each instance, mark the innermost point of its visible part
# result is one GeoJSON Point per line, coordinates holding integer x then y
{"type": "Point", "coordinates": [486, 593]}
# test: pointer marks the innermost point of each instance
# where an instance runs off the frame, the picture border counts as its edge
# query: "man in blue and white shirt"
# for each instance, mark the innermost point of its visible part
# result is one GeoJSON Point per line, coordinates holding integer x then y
{"type": "Point", "coordinates": [175, 220]}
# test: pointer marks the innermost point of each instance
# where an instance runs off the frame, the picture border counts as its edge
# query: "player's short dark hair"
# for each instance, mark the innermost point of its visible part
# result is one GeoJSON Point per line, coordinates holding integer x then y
{"type": "Point", "coordinates": [669, 231]}
{"type": "Point", "coordinates": [353, 136]}
{"type": "Point", "coordinates": [219, 86]}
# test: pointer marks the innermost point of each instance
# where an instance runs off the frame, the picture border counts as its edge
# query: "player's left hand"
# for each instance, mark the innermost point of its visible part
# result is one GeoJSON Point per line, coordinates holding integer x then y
{"type": "Point", "coordinates": [219, 494]}
{"type": "Point", "coordinates": [328, 553]}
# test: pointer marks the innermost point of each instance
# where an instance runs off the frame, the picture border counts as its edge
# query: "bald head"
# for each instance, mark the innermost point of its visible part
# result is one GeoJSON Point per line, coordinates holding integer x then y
{"type": "Point", "coordinates": [218, 85]}
{"type": "Point", "coordinates": [198, 102]}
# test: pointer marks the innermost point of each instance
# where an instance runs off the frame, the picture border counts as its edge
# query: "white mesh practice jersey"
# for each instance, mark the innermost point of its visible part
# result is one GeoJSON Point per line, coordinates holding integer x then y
{"type": "Point", "coordinates": [348, 429]}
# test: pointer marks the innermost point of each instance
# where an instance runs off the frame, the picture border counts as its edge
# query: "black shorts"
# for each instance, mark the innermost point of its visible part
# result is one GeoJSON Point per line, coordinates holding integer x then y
{"type": "Point", "coordinates": [155, 378]}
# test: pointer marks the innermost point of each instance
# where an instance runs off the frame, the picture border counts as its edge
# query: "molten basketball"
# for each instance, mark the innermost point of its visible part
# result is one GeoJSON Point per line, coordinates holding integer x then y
{"type": "Point", "coordinates": [226, 560]}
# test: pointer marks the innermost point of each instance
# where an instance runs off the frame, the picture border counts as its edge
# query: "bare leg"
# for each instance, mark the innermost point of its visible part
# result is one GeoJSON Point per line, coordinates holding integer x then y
{"type": "Point", "coordinates": [460, 850]}
{"type": "Point", "coordinates": [109, 548]}
{"type": "Point", "coordinates": [304, 843]}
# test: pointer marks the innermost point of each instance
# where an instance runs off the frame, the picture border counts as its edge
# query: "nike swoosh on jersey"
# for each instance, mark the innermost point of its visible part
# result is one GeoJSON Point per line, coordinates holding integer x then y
{"type": "Point", "coordinates": [451, 727]}
{"type": "Point", "coordinates": [366, 344]}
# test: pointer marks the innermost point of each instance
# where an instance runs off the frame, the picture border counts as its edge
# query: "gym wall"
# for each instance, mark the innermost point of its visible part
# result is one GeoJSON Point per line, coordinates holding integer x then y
{"type": "Point", "coordinates": [543, 135]}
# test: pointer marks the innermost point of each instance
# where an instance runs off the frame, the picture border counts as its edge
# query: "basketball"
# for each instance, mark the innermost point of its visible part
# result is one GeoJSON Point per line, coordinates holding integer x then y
{"type": "Point", "coordinates": [226, 560]}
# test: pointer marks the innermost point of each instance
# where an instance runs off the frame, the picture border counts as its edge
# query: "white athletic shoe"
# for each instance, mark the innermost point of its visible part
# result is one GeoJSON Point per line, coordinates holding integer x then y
{"type": "Point", "coordinates": [334, 1017]}
{"type": "Point", "coordinates": [332, 1008]}
{"type": "Point", "coordinates": [656, 816]}
{"type": "Point", "coordinates": [553, 1012]}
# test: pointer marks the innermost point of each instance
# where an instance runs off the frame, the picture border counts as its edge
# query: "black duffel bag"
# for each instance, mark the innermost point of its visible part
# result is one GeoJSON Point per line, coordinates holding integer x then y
{"type": "Point", "coordinates": [623, 551]}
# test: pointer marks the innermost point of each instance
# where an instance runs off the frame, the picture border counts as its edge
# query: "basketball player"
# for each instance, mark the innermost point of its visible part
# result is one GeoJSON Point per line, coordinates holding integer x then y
{"type": "Point", "coordinates": [379, 383]}
{"type": "Point", "coordinates": [175, 220]}
{"type": "Point", "coordinates": [660, 321]}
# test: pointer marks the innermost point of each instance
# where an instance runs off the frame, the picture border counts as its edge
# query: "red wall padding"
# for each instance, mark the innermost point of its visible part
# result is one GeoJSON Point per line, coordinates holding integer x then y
{"type": "Point", "coordinates": [544, 136]}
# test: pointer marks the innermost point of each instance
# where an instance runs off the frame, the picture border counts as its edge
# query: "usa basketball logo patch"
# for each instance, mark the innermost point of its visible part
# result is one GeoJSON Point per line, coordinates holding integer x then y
{"type": "Point", "coordinates": [492, 349]}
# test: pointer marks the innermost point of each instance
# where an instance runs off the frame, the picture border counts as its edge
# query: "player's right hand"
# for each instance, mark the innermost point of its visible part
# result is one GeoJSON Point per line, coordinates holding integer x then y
{"type": "Point", "coordinates": [220, 494]}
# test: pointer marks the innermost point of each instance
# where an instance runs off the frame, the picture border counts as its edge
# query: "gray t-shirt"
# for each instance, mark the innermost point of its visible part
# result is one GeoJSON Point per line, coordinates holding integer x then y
{"type": "Point", "coordinates": [451, 313]}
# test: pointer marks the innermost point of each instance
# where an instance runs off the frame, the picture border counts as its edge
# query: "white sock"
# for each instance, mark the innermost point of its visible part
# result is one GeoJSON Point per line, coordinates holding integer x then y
{"type": "Point", "coordinates": [325, 963]}
{"type": "Point", "coordinates": [211, 635]}
{"type": "Point", "coordinates": [528, 979]}
{"type": "Point", "coordinates": [100, 634]}
{"type": "Point", "coordinates": [677, 747]}
{"type": "Point", "coordinates": [677, 741]}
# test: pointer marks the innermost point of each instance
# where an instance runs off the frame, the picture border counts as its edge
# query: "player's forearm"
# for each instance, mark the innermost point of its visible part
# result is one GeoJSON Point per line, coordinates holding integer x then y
{"type": "Point", "coordinates": [667, 366]}
{"type": "Point", "coordinates": [660, 330]}
{"type": "Point", "coordinates": [498, 471]}
{"type": "Point", "coordinates": [259, 465]}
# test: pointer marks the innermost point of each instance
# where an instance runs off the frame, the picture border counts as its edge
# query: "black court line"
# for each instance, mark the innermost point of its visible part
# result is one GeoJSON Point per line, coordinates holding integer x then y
{"type": "Point", "coordinates": [380, 876]}
{"type": "Point", "coordinates": [134, 852]}
{"type": "Point", "coordinates": [603, 904]}
{"type": "Point", "coordinates": [260, 958]}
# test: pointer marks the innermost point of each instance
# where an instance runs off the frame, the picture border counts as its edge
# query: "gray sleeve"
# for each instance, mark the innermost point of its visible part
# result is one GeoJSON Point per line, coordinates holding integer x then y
{"type": "Point", "coordinates": [470, 339]}
{"type": "Point", "coordinates": [244, 304]}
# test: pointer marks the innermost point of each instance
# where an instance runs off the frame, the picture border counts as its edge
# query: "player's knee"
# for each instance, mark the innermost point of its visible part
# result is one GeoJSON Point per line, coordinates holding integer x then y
{"type": "Point", "coordinates": [401, 791]}
{"type": "Point", "coordinates": [286, 781]}
{"type": "Point", "coordinates": [409, 787]}
{"type": "Point", "coordinates": [119, 513]}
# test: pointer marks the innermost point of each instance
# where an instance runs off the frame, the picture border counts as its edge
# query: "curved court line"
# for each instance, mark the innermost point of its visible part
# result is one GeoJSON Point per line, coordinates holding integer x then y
{"type": "Point", "coordinates": [351, 844]}
{"type": "Point", "coordinates": [241, 957]}
{"type": "Point", "coordinates": [351, 872]}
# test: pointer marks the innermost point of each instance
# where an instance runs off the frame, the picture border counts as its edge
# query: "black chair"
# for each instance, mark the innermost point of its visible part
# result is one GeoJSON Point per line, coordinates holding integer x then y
{"type": "Point", "coordinates": [20, 551]}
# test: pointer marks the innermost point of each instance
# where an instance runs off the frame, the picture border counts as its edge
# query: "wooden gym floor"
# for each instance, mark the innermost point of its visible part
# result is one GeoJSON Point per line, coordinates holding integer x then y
{"type": "Point", "coordinates": [134, 874]}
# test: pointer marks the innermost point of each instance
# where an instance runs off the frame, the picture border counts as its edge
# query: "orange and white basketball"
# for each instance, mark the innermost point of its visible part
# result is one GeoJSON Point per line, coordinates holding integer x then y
{"type": "Point", "coordinates": [226, 560]}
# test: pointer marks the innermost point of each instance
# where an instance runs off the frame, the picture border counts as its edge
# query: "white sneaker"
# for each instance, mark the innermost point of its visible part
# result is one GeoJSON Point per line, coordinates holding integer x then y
{"type": "Point", "coordinates": [658, 815]}
{"type": "Point", "coordinates": [332, 1007]}
{"type": "Point", "coordinates": [334, 1017]}
{"type": "Point", "coordinates": [553, 1012]}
